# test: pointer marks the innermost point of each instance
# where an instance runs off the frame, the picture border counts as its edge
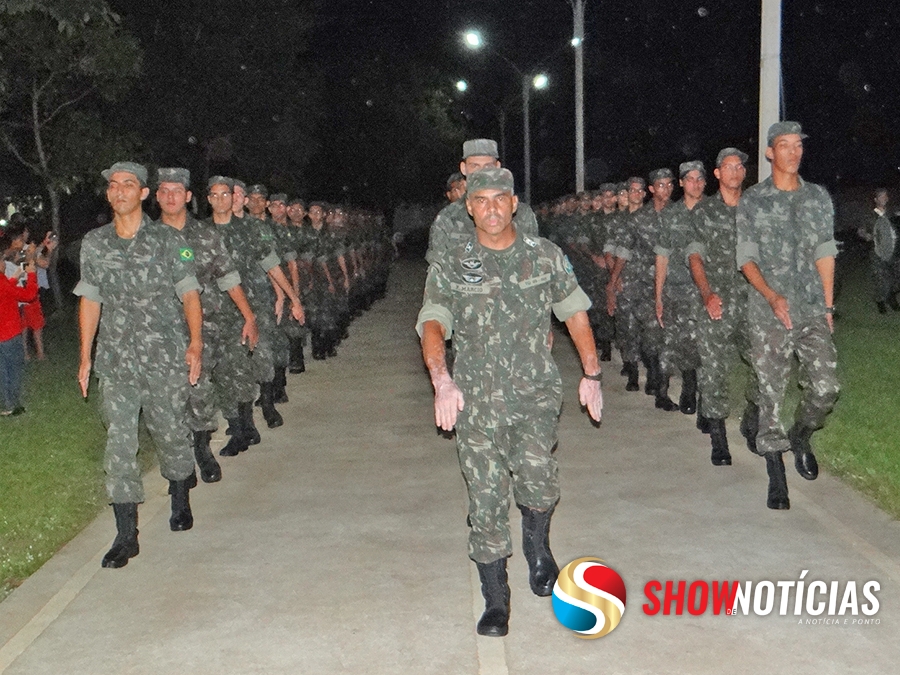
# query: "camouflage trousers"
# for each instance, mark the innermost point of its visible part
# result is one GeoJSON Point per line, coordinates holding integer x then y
{"type": "Point", "coordinates": [203, 403]}
{"type": "Point", "coordinates": [773, 349]}
{"type": "Point", "coordinates": [720, 343]}
{"type": "Point", "coordinates": [234, 375]}
{"type": "Point", "coordinates": [489, 458]}
{"type": "Point", "coordinates": [604, 326]}
{"type": "Point", "coordinates": [163, 401]}
{"type": "Point", "coordinates": [679, 351]}
{"type": "Point", "coordinates": [637, 329]}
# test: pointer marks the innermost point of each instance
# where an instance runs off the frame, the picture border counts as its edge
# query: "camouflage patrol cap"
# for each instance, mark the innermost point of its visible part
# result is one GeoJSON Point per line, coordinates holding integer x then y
{"type": "Point", "coordinates": [623, 186]}
{"type": "Point", "coordinates": [297, 200]}
{"type": "Point", "coordinates": [686, 167]}
{"type": "Point", "coordinates": [220, 180]}
{"type": "Point", "coordinates": [258, 189]}
{"type": "Point", "coordinates": [660, 174]}
{"type": "Point", "coordinates": [731, 152]}
{"type": "Point", "coordinates": [278, 197]}
{"type": "Point", "coordinates": [174, 175]}
{"type": "Point", "coordinates": [480, 147]}
{"type": "Point", "coordinates": [783, 129]}
{"type": "Point", "coordinates": [455, 177]}
{"type": "Point", "coordinates": [607, 187]}
{"type": "Point", "coordinates": [235, 183]}
{"type": "Point", "coordinates": [490, 179]}
{"type": "Point", "coordinates": [635, 179]}
{"type": "Point", "coordinates": [139, 171]}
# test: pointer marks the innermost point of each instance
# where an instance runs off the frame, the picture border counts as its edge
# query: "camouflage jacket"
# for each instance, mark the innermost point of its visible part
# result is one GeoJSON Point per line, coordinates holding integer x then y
{"type": "Point", "coordinates": [139, 283]}
{"type": "Point", "coordinates": [496, 305]}
{"type": "Point", "coordinates": [672, 242]}
{"type": "Point", "coordinates": [453, 226]}
{"type": "Point", "coordinates": [714, 239]}
{"type": "Point", "coordinates": [635, 243]}
{"type": "Point", "coordinates": [216, 271]}
{"type": "Point", "coordinates": [785, 233]}
{"type": "Point", "coordinates": [252, 249]}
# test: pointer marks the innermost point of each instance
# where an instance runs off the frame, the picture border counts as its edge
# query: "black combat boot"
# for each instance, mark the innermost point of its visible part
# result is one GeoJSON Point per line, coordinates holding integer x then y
{"type": "Point", "coordinates": [297, 363]}
{"type": "Point", "coordinates": [182, 519]}
{"type": "Point", "coordinates": [210, 471]}
{"type": "Point", "coordinates": [317, 340]}
{"type": "Point", "coordinates": [631, 371]}
{"type": "Point", "coordinates": [663, 402]}
{"type": "Point", "coordinates": [279, 394]}
{"type": "Point", "coordinates": [720, 455]}
{"type": "Point", "coordinates": [542, 569]}
{"type": "Point", "coordinates": [702, 424]}
{"type": "Point", "coordinates": [245, 411]}
{"type": "Point", "coordinates": [267, 397]}
{"type": "Point", "coordinates": [688, 400]}
{"type": "Point", "coordinates": [804, 459]}
{"type": "Point", "coordinates": [238, 441]}
{"type": "Point", "coordinates": [778, 489]}
{"type": "Point", "coordinates": [495, 589]}
{"type": "Point", "coordinates": [125, 545]}
{"type": "Point", "coordinates": [750, 425]}
{"type": "Point", "coordinates": [651, 363]}
{"type": "Point", "coordinates": [605, 350]}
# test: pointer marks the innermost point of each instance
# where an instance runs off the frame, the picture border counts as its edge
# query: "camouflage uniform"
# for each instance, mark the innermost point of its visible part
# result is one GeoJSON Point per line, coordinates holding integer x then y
{"type": "Point", "coordinates": [602, 323]}
{"type": "Point", "coordinates": [140, 348]}
{"type": "Point", "coordinates": [681, 301]}
{"type": "Point", "coordinates": [269, 231]}
{"type": "Point", "coordinates": [496, 305]}
{"type": "Point", "coordinates": [885, 264]}
{"type": "Point", "coordinates": [719, 342]}
{"type": "Point", "coordinates": [453, 226]}
{"type": "Point", "coordinates": [637, 329]}
{"type": "Point", "coordinates": [785, 233]}
{"type": "Point", "coordinates": [252, 248]}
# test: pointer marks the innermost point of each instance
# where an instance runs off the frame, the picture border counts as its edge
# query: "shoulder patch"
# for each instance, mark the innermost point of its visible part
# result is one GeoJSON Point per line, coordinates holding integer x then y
{"type": "Point", "coordinates": [186, 254]}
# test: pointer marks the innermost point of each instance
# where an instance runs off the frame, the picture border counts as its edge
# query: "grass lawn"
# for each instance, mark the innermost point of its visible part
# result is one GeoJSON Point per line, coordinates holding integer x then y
{"type": "Point", "coordinates": [51, 473]}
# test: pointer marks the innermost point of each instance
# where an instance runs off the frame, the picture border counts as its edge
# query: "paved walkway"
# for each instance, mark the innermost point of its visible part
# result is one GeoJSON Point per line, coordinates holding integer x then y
{"type": "Point", "coordinates": [338, 546]}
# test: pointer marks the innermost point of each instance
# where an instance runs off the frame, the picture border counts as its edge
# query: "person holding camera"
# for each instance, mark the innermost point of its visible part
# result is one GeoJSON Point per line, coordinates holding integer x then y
{"type": "Point", "coordinates": [12, 352]}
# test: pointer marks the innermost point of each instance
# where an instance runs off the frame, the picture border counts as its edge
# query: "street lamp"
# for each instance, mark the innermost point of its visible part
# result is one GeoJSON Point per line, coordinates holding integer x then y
{"type": "Point", "coordinates": [461, 86]}
{"type": "Point", "coordinates": [473, 40]}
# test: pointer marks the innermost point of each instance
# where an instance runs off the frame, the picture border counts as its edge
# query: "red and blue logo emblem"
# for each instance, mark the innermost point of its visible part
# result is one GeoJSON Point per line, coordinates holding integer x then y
{"type": "Point", "coordinates": [589, 598]}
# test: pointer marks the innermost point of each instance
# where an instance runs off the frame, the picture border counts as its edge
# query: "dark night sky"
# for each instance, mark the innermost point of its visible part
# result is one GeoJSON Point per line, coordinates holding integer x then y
{"type": "Point", "coordinates": [665, 81]}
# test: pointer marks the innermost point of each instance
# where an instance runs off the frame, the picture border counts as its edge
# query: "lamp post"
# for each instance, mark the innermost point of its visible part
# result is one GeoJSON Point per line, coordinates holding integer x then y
{"type": "Point", "coordinates": [473, 40]}
{"type": "Point", "coordinates": [578, 44]}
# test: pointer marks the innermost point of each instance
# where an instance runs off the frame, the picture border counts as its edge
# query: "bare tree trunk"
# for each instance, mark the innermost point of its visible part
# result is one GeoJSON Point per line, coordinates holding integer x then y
{"type": "Point", "coordinates": [52, 271]}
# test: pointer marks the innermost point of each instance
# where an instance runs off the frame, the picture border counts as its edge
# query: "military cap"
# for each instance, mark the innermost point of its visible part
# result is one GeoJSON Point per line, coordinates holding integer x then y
{"type": "Point", "coordinates": [239, 184]}
{"type": "Point", "coordinates": [297, 200]}
{"type": "Point", "coordinates": [659, 174]}
{"type": "Point", "coordinates": [490, 179]}
{"type": "Point", "coordinates": [174, 175]}
{"type": "Point", "coordinates": [731, 152]}
{"type": "Point", "coordinates": [258, 189]}
{"type": "Point", "coordinates": [220, 180]}
{"type": "Point", "coordinates": [782, 129]}
{"type": "Point", "coordinates": [636, 179]}
{"type": "Point", "coordinates": [278, 197]}
{"type": "Point", "coordinates": [624, 185]}
{"type": "Point", "coordinates": [686, 167]}
{"type": "Point", "coordinates": [455, 177]}
{"type": "Point", "coordinates": [138, 170]}
{"type": "Point", "coordinates": [607, 187]}
{"type": "Point", "coordinates": [480, 147]}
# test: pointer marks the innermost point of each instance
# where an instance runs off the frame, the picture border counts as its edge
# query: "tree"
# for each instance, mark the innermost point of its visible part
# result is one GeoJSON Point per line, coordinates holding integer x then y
{"type": "Point", "coordinates": [58, 71]}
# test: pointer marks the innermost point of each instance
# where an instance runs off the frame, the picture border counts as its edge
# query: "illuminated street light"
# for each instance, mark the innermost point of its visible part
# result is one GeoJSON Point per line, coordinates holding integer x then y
{"type": "Point", "coordinates": [577, 41]}
{"type": "Point", "coordinates": [474, 40]}
{"type": "Point", "coordinates": [461, 85]}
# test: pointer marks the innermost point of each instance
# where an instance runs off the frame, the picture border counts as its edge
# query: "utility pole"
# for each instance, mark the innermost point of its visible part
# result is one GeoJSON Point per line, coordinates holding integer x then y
{"type": "Point", "coordinates": [578, 43]}
{"type": "Point", "coordinates": [770, 102]}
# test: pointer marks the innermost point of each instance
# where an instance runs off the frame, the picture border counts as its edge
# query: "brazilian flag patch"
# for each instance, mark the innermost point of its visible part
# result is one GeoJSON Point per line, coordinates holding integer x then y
{"type": "Point", "coordinates": [186, 254]}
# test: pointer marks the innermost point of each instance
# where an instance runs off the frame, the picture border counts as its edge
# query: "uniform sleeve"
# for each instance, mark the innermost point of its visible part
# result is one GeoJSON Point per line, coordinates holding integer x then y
{"type": "Point", "coordinates": [826, 246]}
{"type": "Point", "coordinates": [437, 303]}
{"type": "Point", "coordinates": [568, 297]}
{"type": "Point", "coordinates": [526, 221]}
{"type": "Point", "coordinates": [224, 271]}
{"type": "Point", "coordinates": [695, 237]}
{"type": "Point", "coordinates": [89, 284]}
{"type": "Point", "coordinates": [747, 236]}
{"type": "Point", "coordinates": [438, 240]}
{"type": "Point", "coordinates": [183, 269]}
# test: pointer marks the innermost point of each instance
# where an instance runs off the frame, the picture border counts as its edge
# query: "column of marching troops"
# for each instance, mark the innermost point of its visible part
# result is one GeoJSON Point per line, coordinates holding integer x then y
{"type": "Point", "coordinates": [268, 271]}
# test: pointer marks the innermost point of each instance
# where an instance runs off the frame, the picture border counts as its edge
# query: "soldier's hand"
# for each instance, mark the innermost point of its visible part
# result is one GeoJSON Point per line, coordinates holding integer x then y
{"type": "Point", "coordinates": [193, 359]}
{"type": "Point", "coordinates": [779, 305]}
{"type": "Point", "coordinates": [298, 313]}
{"type": "Point", "coordinates": [610, 300]}
{"type": "Point", "coordinates": [279, 309]}
{"type": "Point", "coordinates": [250, 334]}
{"type": "Point", "coordinates": [84, 376]}
{"type": "Point", "coordinates": [448, 403]}
{"type": "Point", "coordinates": [713, 305]}
{"type": "Point", "coordinates": [591, 397]}
{"type": "Point", "coordinates": [659, 312]}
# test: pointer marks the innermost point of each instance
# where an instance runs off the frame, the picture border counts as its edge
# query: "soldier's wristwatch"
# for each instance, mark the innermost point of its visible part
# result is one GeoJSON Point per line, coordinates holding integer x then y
{"type": "Point", "coordinates": [596, 378]}
{"type": "Point", "coordinates": [829, 310]}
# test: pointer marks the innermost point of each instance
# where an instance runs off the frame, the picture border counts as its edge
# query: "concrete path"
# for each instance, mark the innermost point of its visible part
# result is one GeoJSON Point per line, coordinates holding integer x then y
{"type": "Point", "coordinates": [338, 545]}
